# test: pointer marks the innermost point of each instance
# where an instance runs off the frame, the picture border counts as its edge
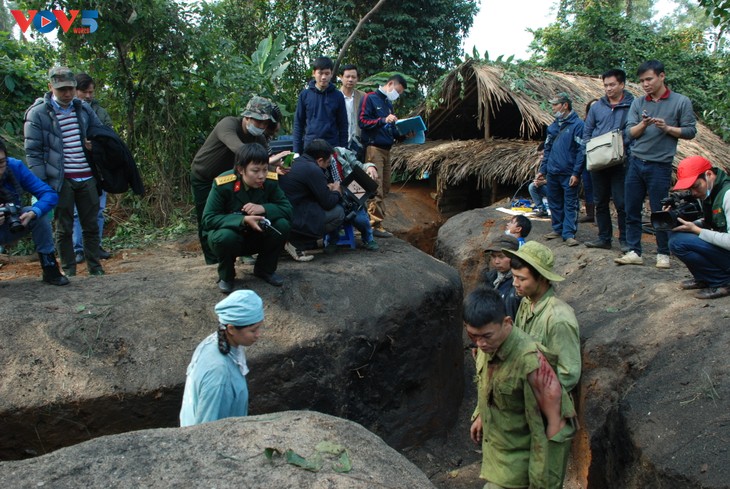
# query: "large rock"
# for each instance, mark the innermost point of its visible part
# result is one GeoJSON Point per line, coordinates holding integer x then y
{"type": "Point", "coordinates": [225, 454]}
{"type": "Point", "coordinates": [656, 376]}
{"type": "Point", "coordinates": [371, 337]}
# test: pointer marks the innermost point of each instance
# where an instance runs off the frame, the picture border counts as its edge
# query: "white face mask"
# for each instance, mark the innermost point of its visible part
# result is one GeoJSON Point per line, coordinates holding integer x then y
{"type": "Point", "coordinates": [393, 95]}
{"type": "Point", "coordinates": [506, 231]}
{"type": "Point", "coordinates": [558, 114]}
{"type": "Point", "coordinates": [253, 130]}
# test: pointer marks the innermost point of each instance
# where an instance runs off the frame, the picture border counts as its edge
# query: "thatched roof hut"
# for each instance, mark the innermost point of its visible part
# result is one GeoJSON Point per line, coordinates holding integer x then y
{"type": "Point", "coordinates": [490, 120]}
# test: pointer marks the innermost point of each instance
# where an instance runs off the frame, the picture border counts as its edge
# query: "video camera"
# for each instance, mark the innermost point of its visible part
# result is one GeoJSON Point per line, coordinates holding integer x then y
{"type": "Point", "coordinates": [12, 217]}
{"type": "Point", "coordinates": [681, 204]}
{"type": "Point", "coordinates": [357, 188]}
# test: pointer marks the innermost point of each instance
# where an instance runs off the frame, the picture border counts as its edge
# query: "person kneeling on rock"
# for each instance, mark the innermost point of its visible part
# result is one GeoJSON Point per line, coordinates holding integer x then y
{"type": "Point", "coordinates": [215, 384]}
{"type": "Point", "coordinates": [246, 213]}
{"type": "Point", "coordinates": [17, 221]}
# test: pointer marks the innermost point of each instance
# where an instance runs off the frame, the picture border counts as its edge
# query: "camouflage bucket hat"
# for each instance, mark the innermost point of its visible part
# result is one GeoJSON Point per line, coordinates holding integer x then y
{"type": "Point", "coordinates": [539, 256]}
{"type": "Point", "coordinates": [259, 108]}
{"type": "Point", "coordinates": [61, 77]}
{"type": "Point", "coordinates": [561, 98]}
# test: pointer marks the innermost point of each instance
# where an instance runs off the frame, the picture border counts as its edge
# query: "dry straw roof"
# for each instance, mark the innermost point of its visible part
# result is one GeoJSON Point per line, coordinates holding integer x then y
{"type": "Point", "coordinates": [503, 118]}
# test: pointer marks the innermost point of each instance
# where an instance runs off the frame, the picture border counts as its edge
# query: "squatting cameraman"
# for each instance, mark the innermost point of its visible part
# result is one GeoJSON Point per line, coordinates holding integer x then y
{"type": "Point", "coordinates": [704, 245]}
{"type": "Point", "coordinates": [17, 221]}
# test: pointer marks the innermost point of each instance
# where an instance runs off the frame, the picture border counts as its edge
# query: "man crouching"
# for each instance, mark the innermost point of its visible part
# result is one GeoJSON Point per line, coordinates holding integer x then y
{"type": "Point", "coordinates": [246, 214]}
{"type": "Point", "coordinates": [523, 414]}
{"type": "Point", "coordinates": [704, 246]}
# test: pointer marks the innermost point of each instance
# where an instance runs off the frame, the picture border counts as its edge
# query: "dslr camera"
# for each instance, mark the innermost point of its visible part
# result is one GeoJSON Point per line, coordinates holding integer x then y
{"type": "Point", "coordinates": [681, 204]}
{"type": "Point", "coordinates": [12, 217]}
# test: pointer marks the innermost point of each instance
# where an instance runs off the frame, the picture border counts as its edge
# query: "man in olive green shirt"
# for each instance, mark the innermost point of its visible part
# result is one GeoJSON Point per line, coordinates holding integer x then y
{"type": "Point", "coordinates": [236, 213]}
{"type": "Point", "coordinates": [524, 416]}
{"type": "Point", "coordinates": [549, 321]}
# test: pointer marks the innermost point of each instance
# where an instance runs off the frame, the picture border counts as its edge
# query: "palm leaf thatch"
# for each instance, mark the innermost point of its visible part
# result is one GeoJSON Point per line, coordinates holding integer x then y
{"type": "Point", "coordinates": [489, 122]}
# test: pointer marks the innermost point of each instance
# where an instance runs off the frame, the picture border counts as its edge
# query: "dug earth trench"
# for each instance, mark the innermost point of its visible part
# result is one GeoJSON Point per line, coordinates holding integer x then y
{"type": "Point", "coordinates": [107, 355]}
{"type": "Point", "coordinates": [654, 395]}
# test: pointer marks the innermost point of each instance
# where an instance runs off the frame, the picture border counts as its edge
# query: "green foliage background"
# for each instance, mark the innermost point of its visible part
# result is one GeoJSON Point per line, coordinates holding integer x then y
{"type": "Point", "coordinates": [168, 70]}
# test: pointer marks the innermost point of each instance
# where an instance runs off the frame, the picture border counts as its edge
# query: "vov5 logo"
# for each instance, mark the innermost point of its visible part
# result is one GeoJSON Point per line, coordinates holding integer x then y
{"type": "Point", "coordinates": [47, 20]}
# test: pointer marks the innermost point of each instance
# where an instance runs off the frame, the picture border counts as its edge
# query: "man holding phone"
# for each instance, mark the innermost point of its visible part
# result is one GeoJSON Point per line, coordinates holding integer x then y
{"type": "Point", "coordinates": [655, 124]}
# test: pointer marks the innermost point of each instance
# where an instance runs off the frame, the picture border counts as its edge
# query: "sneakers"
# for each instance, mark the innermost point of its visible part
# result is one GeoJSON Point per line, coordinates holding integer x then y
{"type": "Point", "coordinates": [382, 233]}
{"type": "Point", "coordinates": [371, 245]}
{"type": "Point", "coordinates": [296, 254]}
{"type": "Point", "coordinates": [713, 292]}
{"type": "Point", "coordinates": [79, 257]}
{"type": "Point", "coordinates": [606, 245]}
{"type": "Point", "coordinates": [572, 242]}
{"type": "Point", "coordinates": [552, 235]}
{"type": "Point", "coordinates": [540, 213]}
{"type": "Point", "coordinates": [662, 261]}
{"type": "Point", "coordinates": [630, 258]}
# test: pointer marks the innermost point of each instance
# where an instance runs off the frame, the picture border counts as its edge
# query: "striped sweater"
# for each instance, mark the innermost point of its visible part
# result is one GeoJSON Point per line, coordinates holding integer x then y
{"type": "Point", "coordinates": [75, 165]}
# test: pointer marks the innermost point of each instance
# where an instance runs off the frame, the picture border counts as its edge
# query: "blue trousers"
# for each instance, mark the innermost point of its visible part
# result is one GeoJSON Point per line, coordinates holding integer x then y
{"type": "Point", "coordinates": [609, 184]}
{"type": "Point", "coordinates": [642, 178]}
{"type": "Point", "coordinates": [40, 229]}
{"type": "Point", "coordinates": [587, 186]}
{"type": "Point", "coordinates": [362, 224]}
{"type": "Point", "coordinates": [563, 205]}
{"type": "Point", "coordinates": [537, 193]}
{"type": "Point", "coordinates": [78, 240]}
{"type": "Point", "coordinates": [706, 262]}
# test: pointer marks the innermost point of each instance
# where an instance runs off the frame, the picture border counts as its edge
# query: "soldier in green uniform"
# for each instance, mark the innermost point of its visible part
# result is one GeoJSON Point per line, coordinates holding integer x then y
{"type": "Point", "coordinates": [541, 314]}
{"type": "Point", "coordinates": [235, 218]}
{"type": "Point", "coordinates": [524, 419]}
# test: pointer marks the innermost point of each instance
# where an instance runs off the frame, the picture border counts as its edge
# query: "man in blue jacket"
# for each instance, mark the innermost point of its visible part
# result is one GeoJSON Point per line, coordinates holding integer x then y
{"type": "Point", "coordinates": [17, 221]}
{"type": "Point", "coordinates": [377, 122]}
{"type": "Point", "coordinates": [608, 114]}
{"type": "Point", "coordinates": [321, 112]}
{"type": "Point", "coordinates": [562, 164]}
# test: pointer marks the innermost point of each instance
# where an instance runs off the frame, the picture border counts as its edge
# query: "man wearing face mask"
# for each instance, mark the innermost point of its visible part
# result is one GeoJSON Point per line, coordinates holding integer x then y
{"type": "Point", "coordinates": [217, 154]}
{"type": "Point", "coordinates": [377, 122]}
{"type": "Point", "coordinates": [704, 245]}
{"type": "Point", "coordinates": [562, 165]}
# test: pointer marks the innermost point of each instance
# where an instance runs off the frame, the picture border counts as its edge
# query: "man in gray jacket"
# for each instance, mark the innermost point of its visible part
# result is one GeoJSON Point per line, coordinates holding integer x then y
{"type": "Point", "coordinates": [656, 122]}
{"type": "Point", "coordinates": [56, 149]}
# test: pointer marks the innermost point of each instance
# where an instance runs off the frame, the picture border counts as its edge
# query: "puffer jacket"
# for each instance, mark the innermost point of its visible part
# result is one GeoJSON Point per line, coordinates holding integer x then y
{"type": "Point", "coordinates": [44, 141]}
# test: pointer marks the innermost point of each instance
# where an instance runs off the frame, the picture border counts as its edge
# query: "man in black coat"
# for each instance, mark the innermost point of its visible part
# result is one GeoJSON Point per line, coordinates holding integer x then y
{"type": "Point", "coordinates": [317, 209]}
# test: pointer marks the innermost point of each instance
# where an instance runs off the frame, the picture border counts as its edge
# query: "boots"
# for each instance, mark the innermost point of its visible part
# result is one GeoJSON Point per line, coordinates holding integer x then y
{"type": "Point", "coordinates": [51, 274]}
{"type": "Point", "coordinates": [590, 213]}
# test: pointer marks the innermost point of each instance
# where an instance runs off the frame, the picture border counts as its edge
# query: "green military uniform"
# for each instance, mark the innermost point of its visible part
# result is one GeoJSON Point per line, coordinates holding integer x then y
{"type": "Point", "coordinates": [516, 452]}
{"type": "Point", "coordinates": [225, 233]}
{"type": "Point", "coordinates": [552, 323]}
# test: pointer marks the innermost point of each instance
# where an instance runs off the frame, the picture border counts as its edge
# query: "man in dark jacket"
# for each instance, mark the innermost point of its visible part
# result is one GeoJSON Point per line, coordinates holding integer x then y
{"type": "Point", "coordinates": [232, 221]}
{"type": "Point", "coordinates": [85, 90]}
{"type": "Point", "coordinates": [377, 122]}
{"type": "Point", "coordinates": [562, 164]}
{"type": "Point", "coordinates": [317, 209]}
{"type": "Point", "coordinates": [608, 114]}
{"type": "Point", "coordinates": [499, 275]}
{"type": "Point", "coordinates": [15, 179]}
{"type": "Point", "coordinates": [321, 111]}
{"type": "Point", "coordinates": [56, 146]}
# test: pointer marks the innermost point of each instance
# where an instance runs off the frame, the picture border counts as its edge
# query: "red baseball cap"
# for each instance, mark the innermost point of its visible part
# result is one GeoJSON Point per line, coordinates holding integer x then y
{"type": "Point", "coordinates": [689, 169]}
